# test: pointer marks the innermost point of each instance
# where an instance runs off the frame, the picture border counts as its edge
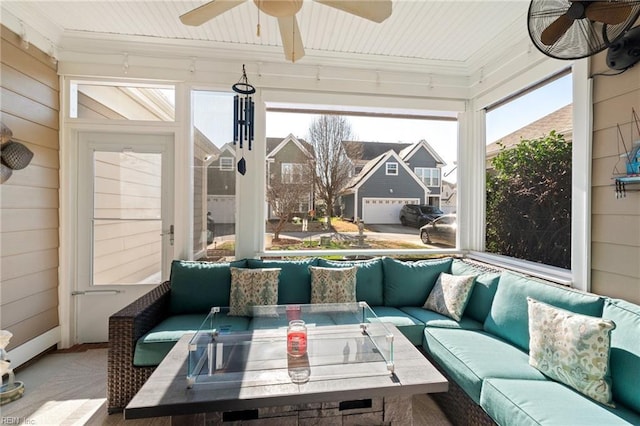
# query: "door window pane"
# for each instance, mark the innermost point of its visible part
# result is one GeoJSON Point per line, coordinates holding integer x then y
{"type": "Point", "coordinates": [127, 222]}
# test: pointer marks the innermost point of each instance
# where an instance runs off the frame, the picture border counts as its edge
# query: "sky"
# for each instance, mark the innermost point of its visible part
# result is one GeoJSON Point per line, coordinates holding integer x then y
{"type": "Point", "coordinates": [213, 116]}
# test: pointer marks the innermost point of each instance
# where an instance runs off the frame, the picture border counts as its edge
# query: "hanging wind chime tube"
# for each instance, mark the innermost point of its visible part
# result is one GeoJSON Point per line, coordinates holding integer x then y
{"type": "Point", "coordinates": [243, 111]}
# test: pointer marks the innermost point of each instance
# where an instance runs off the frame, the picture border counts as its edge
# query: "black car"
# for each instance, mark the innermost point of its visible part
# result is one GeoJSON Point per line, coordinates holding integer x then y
{"type": "Point", "coordinates": [418, 214]}
{"type": "Point", "coordinates": [440, 231]}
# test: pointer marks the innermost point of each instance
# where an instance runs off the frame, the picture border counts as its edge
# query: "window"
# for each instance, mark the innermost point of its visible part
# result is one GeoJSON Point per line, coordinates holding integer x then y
{"type": "Point", "coordinates": [226, 163]}
{"type": "Point", "coordinates": [429, 175]}
{"type": "Point", "coordinates": [528, 176]}
{"type": "Point", "coordinates": [332, 199]}
{"type": "Point", "coordinates": [291, 172]}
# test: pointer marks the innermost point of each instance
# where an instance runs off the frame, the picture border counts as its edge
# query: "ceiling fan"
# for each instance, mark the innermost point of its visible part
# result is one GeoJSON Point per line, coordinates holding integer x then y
{"type": "Point", "coordinates": [285, 11]}
{"type": "Point", "coordinates": [572, 29]}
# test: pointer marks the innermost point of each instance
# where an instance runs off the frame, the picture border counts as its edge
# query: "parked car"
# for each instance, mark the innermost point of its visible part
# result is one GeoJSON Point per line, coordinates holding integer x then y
{"type": "Point", "coordinates": [418, 214]}
{"type": "Point", "coordinates": [440, 231]}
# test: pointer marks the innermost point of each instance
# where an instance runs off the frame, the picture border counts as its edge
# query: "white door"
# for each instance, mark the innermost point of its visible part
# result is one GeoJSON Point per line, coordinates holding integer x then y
{"type": "Point", "coordinates": [384, 210]}
{"type": "Point", "coordinates": [125, 227]}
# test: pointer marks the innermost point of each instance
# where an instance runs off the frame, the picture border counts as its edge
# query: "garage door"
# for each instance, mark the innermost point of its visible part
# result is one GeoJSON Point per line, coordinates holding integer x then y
{"type": "Point", "coordinates": [222, 208]}
{"type": "Point", "coordinates": [384, 210]}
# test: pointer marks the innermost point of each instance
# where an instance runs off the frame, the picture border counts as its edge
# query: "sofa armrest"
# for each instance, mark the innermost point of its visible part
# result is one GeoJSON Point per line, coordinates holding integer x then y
{"type": "Point", "coordinates": [125, 328]}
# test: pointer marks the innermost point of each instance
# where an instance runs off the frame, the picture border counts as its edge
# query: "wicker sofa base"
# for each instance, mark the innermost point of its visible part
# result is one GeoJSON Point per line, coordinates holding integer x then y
{"type": "Point", "coordinates": [459, 408]}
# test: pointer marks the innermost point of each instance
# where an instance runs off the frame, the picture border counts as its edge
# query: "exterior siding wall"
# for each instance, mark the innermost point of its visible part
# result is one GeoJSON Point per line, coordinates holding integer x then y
{"type": "Point", "coordinates": [423, 159]}
{"type": "Point", "coordinates": [380, 185]}
{"type": "Point", "coordinates": [29, 199]}
{"type": "Point", "coordinates": [615, 223]}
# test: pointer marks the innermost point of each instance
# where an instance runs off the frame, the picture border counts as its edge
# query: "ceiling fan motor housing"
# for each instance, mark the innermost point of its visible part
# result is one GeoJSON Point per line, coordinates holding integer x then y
{"type": "Point", "coordinates": [625, 52]}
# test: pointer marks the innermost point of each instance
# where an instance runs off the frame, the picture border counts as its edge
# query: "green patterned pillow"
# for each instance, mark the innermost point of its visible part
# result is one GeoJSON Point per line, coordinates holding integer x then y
{"type": "Point", "coordinates": [333, 285]}
{"type": "Point", "coordinates": [450, 295]}
{"type": "Point", "coordinates": [571, 348]}
{"type": "Point", "coordinates": [251, 287]}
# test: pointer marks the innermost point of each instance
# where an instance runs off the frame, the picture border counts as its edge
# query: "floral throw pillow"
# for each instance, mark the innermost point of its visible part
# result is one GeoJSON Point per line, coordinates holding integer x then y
{"type": "Point", "coordinates": [251, 287]}
{"type": "Point", "coordinates": [450, 295]}
{"type": "Point", "coordinates": [571, 348]}
{"type": "Point", "coordinates": [333, 285]}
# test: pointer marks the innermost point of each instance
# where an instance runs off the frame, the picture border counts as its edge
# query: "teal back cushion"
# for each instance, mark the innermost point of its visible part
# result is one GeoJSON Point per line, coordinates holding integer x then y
{"type": "Point", "coordinates": [508, 317]}
{"type": "Point", "coordinates": [294, 285]}
{"type": "Point", "coordinates": [369, 278]}
{"type": "Point", "coordinates": [409, 283]}
{"type": "Point", "coordinates": [624, 357]}
{"type": "Point", "coordinates": [483, 291]}
{"type": "Point", "coordinates": [198, 286]}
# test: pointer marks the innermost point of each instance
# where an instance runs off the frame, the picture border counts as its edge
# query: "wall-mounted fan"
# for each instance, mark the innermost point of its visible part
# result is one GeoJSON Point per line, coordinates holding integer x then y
{"type": "Point", "coordinates": [572, 29]}
{"type": "Point", "coordinates": [285, 11]}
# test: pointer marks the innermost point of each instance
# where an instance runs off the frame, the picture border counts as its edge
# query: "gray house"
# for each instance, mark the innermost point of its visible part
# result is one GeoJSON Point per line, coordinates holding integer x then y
{"type": "Point", "coordinates": [221, 185]}
{"type": "Point", "coordinates": [403, 174]}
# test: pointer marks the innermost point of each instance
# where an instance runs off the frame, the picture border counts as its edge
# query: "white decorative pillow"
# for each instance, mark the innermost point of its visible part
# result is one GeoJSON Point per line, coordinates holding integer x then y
{"type": "Point", "coordinates": [450, 295]}
{"type": "Point", "coordinates": [251, 287]}
{"type": "Point", "coordinates": [571, 348]}
{"type": "Point", "coordinates": [333, 285]}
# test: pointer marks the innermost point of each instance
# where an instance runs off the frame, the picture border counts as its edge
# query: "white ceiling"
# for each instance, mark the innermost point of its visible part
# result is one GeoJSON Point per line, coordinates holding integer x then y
{"type": "Point", "coordinates": [454, 36]}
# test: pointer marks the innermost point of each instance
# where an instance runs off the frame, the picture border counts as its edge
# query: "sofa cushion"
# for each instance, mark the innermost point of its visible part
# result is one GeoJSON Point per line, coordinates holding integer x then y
{"type": "Point", "coordinates": [408, 325]}
{"type": "Point", "coordinates": [537, 402]}
{"type": "Point", "coordinates": [156, 344]}
{"type": "Point", "coordinates": [295, 278]}
{"type": "Point", "coordinates": [508, 317]}
{"type": "Point", "coordinates": [483, 291]}
{"type": "Point", "coordinates": [409, 283]}
{"type": "Point", "coordinates": [252, 287]}
{"type": "Point", "coordinates": [571, 348]}
{"type": "Point", "coordinates": [450, 295]}
{"type": "Point", "coordinates": [369, 278]}
{"type": "Point", "coordinates": [469, 357]}
{"type": "Point", "coordinates": [333, 285]}
{"type": "Point", "coordinates": [198, 286]}
{"type": "Point", "coordinates": [434, 319]}
{"type": "Point", "coordinates": [625, 351]}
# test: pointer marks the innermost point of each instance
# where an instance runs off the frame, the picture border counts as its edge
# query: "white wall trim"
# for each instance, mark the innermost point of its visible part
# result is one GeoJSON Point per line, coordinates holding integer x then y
{"type": "Point", "coordinates": [34, 347]}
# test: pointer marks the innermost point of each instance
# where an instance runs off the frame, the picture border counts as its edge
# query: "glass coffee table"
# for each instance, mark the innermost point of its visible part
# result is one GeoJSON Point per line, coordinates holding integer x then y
{"type": "Point", "coordinates": [345, 340]}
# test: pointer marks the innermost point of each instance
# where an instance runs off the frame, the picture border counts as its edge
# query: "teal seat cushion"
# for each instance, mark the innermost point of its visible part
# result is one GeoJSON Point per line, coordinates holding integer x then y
{"type": "Point", "coordinates": [156, 344]}
{"type": "Point", "coordinates": [310, 319]}
{"type": "Point", "coordinates": [198, 286]}
{"type": "Point", "coordinates": [537, 402]}
{"type": "Point", "coordinates": [624, 356]}
{"type": "Point", "coordinates": [409, 326]}
{"type": "Point", "coordinates": [484, 289]}
{"type": "Point", "coordinates": [294, 284]}
{"type": "Point", "coordinates": [369, 278]}
{"type": "Point", "coordinates": [470, 356]}
{"type": "Point", "coordinates": [409, 283]}
{"type": "Point", "coordinates": [434, 319]}
{"type": "Point", "coordinates": [508, 317]}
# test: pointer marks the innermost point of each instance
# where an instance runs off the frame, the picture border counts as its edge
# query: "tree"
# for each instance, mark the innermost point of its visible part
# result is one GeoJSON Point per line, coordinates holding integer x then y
{"type": "Point", "coordinates": [333, 167]}
{"type": "Point", "coordinates": [529, 201]}
{"type": "Point", "coordinates": [286, 195]}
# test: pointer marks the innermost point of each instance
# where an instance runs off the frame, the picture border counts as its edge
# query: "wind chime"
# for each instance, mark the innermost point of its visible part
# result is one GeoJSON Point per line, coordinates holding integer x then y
{"type": "Point", "coordinates": [243, 109]}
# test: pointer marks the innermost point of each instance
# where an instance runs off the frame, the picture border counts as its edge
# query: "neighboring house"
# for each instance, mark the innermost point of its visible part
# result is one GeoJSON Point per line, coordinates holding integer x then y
{"type": "Point", "coordinates": [449, 197]}
{"type": "Point", "coordinates": [288, 161]}
{"type": "Point", "coordinates": [560, 120]}
{"type": "Point", "coordinates": [221, 185]}
{"type": "Point", "coordinates": [404, 174]}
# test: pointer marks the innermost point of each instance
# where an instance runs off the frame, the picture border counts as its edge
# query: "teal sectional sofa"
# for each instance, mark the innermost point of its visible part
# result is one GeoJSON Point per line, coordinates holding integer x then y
{"type": "Point", "coordinates": [485, 354]}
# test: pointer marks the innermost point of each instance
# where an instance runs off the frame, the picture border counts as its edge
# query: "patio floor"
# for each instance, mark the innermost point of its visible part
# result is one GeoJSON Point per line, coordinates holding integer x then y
{"type": "Point", "coordinates": [69, 388]}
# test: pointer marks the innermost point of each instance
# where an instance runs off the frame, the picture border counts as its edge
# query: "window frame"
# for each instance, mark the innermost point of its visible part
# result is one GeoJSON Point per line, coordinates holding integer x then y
{"type": "Point", "coordinates": [389, 166]}
{"type": "Point", "coordinates": [419, 171]}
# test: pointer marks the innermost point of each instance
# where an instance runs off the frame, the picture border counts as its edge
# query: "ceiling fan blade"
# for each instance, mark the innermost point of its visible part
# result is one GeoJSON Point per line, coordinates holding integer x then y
{"type": "Point", "coordinates": [373, 10]}
{"type": "Point", "coordinates": [609, 13]}
{"type": "Point", "coordinates": [291, 39]}
{"type": "Point", "coordinates": [555, 30]}
{"type": "Point", "coordinates": [207, 11]}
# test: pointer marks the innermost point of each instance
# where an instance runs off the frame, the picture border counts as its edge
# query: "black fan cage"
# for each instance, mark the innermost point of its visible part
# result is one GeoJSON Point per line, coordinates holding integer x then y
{"type": "Point", "coordinates": [584, 37]}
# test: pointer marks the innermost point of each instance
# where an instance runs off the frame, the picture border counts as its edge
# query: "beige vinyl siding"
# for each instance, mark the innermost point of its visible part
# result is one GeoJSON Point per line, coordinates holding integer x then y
{"type": "Point", "coordinates": [615, 223]}
{"type": "Point", "coordinates": [127, 186]}
{"type": "Point", "coordinates": [29, 199]}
